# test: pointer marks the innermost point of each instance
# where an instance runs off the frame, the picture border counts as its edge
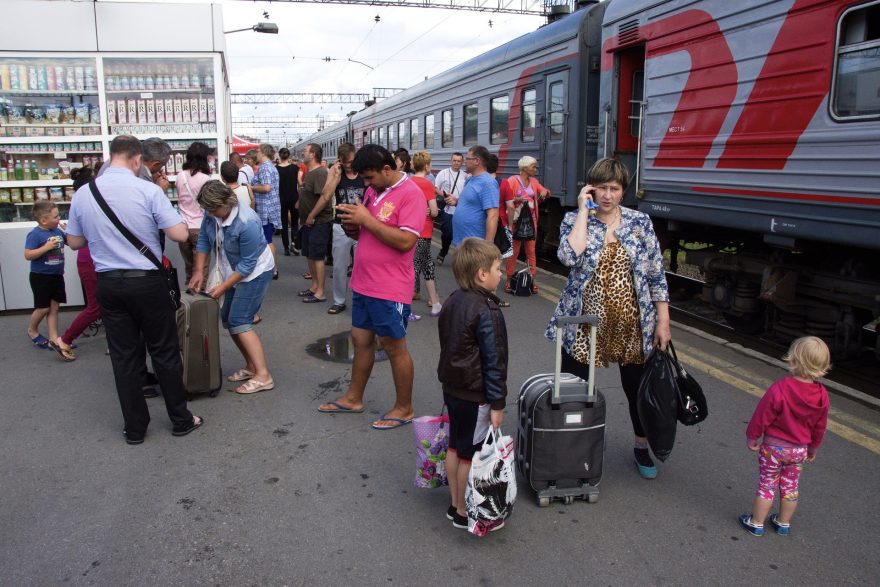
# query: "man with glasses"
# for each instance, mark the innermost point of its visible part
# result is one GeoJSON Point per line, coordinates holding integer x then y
{"type": "Point", "coordinates": [477, 209]}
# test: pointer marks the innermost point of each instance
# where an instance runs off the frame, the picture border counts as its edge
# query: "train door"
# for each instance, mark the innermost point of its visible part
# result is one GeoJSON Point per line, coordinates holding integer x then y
{"type": "Point", "coordinates": [630, 81]}
{"type": "Point", "coordinates": [553, 147]}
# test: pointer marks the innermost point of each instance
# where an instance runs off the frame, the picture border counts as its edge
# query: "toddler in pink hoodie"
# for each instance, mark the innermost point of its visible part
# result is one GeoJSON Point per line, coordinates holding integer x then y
{"type": "Point", "coordinates": [791, 417]}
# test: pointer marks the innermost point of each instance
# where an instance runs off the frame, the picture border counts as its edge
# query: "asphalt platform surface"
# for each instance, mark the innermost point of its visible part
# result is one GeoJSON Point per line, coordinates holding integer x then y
{"type": "Point", "coordinates": [271, 492]}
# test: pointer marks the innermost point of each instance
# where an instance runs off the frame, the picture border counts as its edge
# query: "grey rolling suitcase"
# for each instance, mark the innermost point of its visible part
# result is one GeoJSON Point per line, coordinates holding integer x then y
{"type": "Point", "coordinates": [561, 429]}
{"type": "Point", "coordinates": [198, 328]}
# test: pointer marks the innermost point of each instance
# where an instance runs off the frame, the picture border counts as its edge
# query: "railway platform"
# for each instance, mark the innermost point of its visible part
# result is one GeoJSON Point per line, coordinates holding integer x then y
{"type": "Point", "coordinates": [271, 492]}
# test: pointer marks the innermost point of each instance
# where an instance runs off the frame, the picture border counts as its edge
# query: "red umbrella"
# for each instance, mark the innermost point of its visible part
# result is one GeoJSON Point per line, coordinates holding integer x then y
{"type": "Point", "coordinates": [242, 146]}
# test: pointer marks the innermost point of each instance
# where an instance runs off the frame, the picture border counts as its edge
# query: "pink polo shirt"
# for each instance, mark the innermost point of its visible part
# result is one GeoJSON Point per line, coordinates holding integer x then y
{"type": "Point", "coordinates": [381, 271]}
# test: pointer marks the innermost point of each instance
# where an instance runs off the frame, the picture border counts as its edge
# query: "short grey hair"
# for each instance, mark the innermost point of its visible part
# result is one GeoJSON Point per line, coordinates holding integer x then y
{"type": "Point", "coordinates": [215, 194]}
{"type": "Point", "coordinates": [155, 149]}
{"type": "Point", "coordinates": [526, 161]}
{"type": "Point", "coordinates": [267, 150]}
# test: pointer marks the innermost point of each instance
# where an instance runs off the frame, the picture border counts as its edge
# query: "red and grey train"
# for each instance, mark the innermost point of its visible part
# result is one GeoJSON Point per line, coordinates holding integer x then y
{"type": "Point", "coordinates": [752, 129]}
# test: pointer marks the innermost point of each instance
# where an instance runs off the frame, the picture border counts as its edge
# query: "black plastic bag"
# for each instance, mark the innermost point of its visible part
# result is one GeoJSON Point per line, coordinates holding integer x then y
{"type": "Point", "coordinates": [692, 405]}
{"type": "Point", "coordinates": [657, 403]}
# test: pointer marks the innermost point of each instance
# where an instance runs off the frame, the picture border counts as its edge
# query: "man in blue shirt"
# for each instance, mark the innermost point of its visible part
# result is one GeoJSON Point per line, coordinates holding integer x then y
{"type": "Point", "coordinates": [476, 212]}
{"type": "Point", "coordinates": [133, 295]}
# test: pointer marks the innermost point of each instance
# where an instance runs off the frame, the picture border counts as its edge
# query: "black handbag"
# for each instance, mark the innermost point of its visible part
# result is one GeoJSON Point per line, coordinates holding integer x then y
{"type": "Point", "coordinates": [168, 273]}
{"type": "Point", "coordinates": [692, 406]}
{"type": "Point", "coordinates": [503, 240]}
{"type": "Point", "coordinates": [525, 225]}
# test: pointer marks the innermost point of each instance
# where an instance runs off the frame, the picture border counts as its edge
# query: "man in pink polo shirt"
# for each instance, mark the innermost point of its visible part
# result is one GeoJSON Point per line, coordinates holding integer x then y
{"type": "Point", "coordinates": [387, 227]}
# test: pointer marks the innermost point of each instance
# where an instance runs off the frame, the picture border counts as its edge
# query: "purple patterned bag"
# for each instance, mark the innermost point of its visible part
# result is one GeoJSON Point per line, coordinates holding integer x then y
{"type": "Point", "coordinates": [432, 440]}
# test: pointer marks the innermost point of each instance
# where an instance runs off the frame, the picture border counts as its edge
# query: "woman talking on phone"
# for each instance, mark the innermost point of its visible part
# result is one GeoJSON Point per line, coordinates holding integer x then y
{"type": "Point", "coordinates": [616, 274]}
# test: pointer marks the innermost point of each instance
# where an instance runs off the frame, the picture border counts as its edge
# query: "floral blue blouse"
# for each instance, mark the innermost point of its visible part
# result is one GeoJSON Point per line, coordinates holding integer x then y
{"type": "Point", "coordinates": [636, 235]}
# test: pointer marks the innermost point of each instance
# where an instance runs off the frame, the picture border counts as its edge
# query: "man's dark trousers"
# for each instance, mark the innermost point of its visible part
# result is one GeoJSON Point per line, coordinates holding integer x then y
{"type": "Point", "coordinates": [137, 312]}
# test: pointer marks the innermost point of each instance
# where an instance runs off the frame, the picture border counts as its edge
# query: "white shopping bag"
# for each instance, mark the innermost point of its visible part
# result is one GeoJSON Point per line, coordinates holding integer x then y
{"type": "Point", "coordinates": [491, 488]}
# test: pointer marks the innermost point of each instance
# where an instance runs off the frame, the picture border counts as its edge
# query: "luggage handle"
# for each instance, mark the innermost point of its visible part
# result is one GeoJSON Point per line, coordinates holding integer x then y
{"type": "Point", "coordinates": [593, 321]}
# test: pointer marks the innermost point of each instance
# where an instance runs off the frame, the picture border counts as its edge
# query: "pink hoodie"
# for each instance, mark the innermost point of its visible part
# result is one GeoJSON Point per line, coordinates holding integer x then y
{"type": "Point", "coordinates": [792, 411]}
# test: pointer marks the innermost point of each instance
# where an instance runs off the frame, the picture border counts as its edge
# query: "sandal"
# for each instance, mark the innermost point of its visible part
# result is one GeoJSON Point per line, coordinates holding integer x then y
{"type": "Point", "coordinates": [240, 375]}
{"type": "Point", "coordinates": [40, 341]}
{"type": "Point", "coordinates": [306, 293]}
{"type": "Point", "coordinates": [336, 309]}
{"type": "Point", "coordinates": [255, 385]}
{"type": "Point", "coordinates": [196, 422]}
{"type": "Point", "coordinates": [66, 354]}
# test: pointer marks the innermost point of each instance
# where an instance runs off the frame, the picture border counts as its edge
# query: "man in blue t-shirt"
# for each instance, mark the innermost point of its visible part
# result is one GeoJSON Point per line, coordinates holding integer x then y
{"type": "Point", "coordinates": [476, 212]}
{"type": "Point", "coordinates": [44, 248]}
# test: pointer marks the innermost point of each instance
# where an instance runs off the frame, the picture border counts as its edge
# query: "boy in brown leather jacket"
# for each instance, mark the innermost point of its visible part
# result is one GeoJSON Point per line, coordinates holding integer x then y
{"type": "Point", "coordinates": [473, 363]}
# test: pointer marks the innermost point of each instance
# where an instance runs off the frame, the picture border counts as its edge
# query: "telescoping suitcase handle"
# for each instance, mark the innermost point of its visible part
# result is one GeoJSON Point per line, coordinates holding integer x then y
{"type": "Point", "coordinates": [562, 321]}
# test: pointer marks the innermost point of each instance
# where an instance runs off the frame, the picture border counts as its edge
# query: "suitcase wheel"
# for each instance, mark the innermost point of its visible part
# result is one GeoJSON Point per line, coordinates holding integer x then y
{"type": "Point", "coordinates": [213, 393]}
{"type": "Point", "coordinates": [592, 498]}
{"type": "Point", "coordinates": [543, 502]}
{"type": "Point", "coordinates": [568, 499]}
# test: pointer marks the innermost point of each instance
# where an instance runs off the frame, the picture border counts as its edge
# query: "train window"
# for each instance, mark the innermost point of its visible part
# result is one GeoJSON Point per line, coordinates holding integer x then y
{"type": "Point", "coordinates": [390, 145]}
{"type": "Point", "coordinates": [446, 121]}
{"type": "Point", "coordinates": [414, 134]}
{"type": "Point", "coordinates": [499, 114]}
{"type": "Point", "coordinates": [529, 113]}
{"type": "Point", "coordinates": [382, 135]}
{"type": "Point", "coordinates": [470, 124]}
{"type": "Point", "coordinates": [429, 131]}
{"type": "Point", "coordinates": [635, 103]}
{"type": "Point", "coordinates": [857, 67]}
{"type": "Point", "coordinates": [557, 111]}
{"type": "Point", "coordinates": [373, 136]}
{"type": "Point", "coordinates": [401, 135]}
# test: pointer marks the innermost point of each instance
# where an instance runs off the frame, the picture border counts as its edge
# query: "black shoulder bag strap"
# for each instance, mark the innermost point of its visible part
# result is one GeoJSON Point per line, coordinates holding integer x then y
{"type": "Point", "coordinates": [455, 183]}
{"type": "Point", "coordinates": [130, 237]}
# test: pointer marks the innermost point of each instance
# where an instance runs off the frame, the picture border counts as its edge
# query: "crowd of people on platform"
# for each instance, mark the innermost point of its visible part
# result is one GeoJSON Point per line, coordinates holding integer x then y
{"type": "Point", "coordinates": [373, 213]}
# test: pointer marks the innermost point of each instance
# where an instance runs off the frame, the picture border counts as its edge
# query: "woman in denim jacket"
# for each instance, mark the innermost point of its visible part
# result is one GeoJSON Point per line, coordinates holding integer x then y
{"type": "Point", "coordinates": [616, 273]}
{"type": "Point", "coordinates": [246, 265]}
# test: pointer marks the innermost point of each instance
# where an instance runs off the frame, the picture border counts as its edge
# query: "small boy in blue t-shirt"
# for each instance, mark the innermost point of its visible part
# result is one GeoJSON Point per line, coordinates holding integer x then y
{"type": "Point", "coordinates": [44, 248]}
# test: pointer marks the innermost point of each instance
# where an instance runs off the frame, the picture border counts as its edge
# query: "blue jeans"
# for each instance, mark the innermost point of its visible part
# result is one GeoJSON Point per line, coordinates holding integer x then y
{"type": "Point", "coordinates": [243, 301]}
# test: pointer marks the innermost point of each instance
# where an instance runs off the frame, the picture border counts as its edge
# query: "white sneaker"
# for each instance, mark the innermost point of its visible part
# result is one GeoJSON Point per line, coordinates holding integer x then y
{"type": "Point", "coordinates": [435, 309]}
{"type": "Point", "coordinates": [414, 317]}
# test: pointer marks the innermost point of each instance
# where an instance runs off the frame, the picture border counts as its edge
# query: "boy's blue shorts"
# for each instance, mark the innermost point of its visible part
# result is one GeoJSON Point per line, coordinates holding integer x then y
{"type": "Point", "coordinates": [383, 317]}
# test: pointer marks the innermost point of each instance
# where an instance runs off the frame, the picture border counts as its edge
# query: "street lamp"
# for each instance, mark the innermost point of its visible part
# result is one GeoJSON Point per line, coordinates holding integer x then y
{"type": "Point", "coordinates": [261, 27]}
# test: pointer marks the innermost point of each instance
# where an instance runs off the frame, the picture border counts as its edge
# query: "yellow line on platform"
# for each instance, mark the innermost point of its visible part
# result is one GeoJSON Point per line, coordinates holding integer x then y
{"type": "Point", "coordinates": [845, 432]}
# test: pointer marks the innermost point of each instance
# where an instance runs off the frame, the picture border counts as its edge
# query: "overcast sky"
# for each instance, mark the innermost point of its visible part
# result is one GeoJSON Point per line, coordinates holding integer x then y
{"type": "Point", "coordinates": [404, 47]}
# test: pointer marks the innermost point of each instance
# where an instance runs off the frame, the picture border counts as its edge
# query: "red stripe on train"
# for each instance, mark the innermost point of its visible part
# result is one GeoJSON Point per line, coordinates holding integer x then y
{"type": "Point", "coordinates": [826, 198]}
{"type": "Point", "coordinates": [794, 81]}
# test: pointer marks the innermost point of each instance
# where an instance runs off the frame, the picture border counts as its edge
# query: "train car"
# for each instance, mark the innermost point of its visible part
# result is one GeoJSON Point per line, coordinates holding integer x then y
{"type": "Point", "coordinates": [754, 127]}
{"type": "Point", "coordinates": [537, 95]}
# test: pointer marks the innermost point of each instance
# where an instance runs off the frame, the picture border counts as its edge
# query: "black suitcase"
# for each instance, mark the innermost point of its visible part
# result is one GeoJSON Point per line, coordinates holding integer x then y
{"type": "Point", "coordinates": [561, 429]}
{"type": "Point", "coordinates": [198, 328]}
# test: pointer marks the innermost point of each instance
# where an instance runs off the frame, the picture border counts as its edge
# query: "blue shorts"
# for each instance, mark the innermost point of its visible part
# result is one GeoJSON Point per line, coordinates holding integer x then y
{"type": "Point", "coordinates": [269, 232]}
{"type": "Point", "coordinates": [383, 317]}
{"type": "Point", "coordinates": [243, 301]}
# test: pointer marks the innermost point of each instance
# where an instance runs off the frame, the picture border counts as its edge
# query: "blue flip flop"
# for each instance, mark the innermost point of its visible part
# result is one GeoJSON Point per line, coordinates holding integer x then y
{"type": "Point", "coordinates": [340, 409]}
{"type": "Point", "coordinates": [41, 342]}
{"type": "Point", "coordinates": [399, 422]}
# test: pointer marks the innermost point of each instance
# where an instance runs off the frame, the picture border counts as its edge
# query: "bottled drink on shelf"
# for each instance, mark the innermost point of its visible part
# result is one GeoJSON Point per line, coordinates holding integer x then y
{"type": "Point", "coordinates": [194, 80]}
{"type": "Point", "coordinates": [141, 78]}
{"type": "Point", "coordinates": [184, 78]}
{"type": "Point", "coordinates": [35, 173]}
{"type": "Point", "coordinates": [4, 174]}
{"type": "Point", "coordinates": [19, 171]}
{"type": "Point", "coordinates": [122, 78]}
{"type": "Point", "coordinates": [175, 79]}
{"type": "Point", "coordinates": [209, 81]}
{"type": "Point", "coordinates": [150, 80]}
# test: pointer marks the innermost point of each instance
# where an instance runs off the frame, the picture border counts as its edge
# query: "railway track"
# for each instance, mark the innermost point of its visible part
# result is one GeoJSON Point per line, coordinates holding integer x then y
{"type": "Point", "coordinates": [861, 373]}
